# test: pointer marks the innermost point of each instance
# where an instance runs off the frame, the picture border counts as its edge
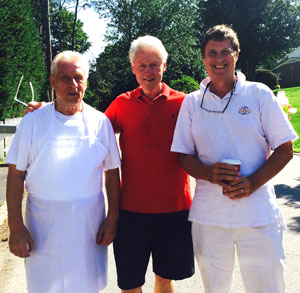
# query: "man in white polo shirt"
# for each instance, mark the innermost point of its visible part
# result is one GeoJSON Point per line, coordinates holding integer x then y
{"type": "Point", "coordinates": [231, 118]}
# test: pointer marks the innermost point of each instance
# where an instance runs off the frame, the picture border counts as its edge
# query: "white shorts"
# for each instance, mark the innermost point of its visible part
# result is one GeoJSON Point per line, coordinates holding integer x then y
{"type": "Point", "coordinates": [260, 253]}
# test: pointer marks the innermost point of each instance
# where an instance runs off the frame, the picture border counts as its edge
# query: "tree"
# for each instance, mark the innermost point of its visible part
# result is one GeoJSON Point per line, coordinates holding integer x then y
{"type": "Point", "coordinates": [65, 26]}
{"type": "Point", "coordinates": [266, 29]}
{"type": "Point", "coordinates": [110, 76]}
{"type": "Point", "coordinates": [62, 33]}
{"type": "Point", "coordinates": [58, 25]}
{"type": "Point", "coordinates": [172, 21]}
{"type": "Point", "coordinates": [20, 54]}
{"type": "Point", "coordinates": [41, 14]}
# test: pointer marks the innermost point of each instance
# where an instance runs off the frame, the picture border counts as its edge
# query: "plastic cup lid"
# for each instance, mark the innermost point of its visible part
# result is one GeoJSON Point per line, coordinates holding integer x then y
{"type": "Point", "coordinates": [232, 161]}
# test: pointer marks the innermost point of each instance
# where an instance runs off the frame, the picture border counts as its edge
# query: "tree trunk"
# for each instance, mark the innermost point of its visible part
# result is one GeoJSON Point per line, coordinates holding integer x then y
{"type": "Point", "coordinates": [48, 52]}
{"type": "Point", "coordinates": [248, 68]}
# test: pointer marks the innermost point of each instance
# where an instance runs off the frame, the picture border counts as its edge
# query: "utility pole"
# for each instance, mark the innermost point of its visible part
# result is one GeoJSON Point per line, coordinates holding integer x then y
{"type": "Point", "coordinates": [74, 25]}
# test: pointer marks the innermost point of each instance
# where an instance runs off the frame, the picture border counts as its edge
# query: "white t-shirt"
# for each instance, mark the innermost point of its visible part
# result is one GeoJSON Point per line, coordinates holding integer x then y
{"type": "Point", "coordinates": [251, 126]}
{"type": "Point", "coordinates": [33, 133]}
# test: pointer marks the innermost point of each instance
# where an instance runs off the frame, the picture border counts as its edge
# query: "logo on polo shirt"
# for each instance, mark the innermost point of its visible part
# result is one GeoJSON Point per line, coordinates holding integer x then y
{"type": "Point", "coordinates": [244, 110]}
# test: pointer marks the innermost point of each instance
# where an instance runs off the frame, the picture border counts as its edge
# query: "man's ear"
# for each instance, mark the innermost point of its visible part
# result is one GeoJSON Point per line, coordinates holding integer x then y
{"type": "Point", "coordinates": [51, 78]}
{"type": "Point", "coordinates": [132, 68]}
{"type": "Point", "coordinates": [164, 66]}
{"type": "Point", "coordinates": [237, 56]}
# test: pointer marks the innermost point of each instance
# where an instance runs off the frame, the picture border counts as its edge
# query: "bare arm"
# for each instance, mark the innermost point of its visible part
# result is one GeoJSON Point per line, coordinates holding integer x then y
{"type": "Point", "coordinates": [108, 229]}
{"type": "Point", "coordinates": [20, 241]}
{"type": "Point", "coordinates": [275, 163]}
{"type": "Point", "coordinates": [240, 186]}
{"type": "Point", "coordinates": [215, 173]}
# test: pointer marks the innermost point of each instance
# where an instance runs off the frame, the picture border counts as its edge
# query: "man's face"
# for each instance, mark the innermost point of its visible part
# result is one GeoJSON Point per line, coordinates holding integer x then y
{"type": "Point", "coordinates": [220, 60]}
{"type": "Point", "coordinates": [69, 82]}
{"type": "Point", "coordinates": [148, 68]}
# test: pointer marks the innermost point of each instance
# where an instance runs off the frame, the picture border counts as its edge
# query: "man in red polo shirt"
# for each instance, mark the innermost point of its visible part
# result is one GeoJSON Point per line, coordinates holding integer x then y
{"type": "Point", "coordinates": [155, 191]}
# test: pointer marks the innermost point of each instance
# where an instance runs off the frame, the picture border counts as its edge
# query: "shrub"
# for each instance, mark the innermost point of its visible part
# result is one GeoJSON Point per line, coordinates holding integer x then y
{"type": "Point", "coordinates": [185, 84]}
{"type": "Point", "coordinates": [267, 77]}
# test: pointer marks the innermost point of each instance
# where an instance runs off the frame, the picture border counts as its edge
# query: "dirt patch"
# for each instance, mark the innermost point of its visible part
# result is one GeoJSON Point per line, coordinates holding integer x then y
{"type": "Point", "coordinates": [4, 232]}
{"type": "Point", "coordinates": [11, 267]}
{"type": "Point", "coordinates": [6, 264]}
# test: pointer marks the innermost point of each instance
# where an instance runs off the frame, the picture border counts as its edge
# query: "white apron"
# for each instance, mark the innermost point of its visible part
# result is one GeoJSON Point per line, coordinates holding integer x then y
{"type": "Point", "coordinates": [66, 258]}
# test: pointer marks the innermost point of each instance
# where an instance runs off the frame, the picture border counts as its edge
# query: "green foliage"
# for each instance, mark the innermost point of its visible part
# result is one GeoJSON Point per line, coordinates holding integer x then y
{"type": "Point", "coordinates": [61, 32]}
{"type": "Point", "coordinates": [267, 77]}
{"type": "Point", "coordinates": [267, 29]}
{"type": "Point", "coordinates": [172, 21]}
{"type": "Point", "coordinates": [20, 54]}
{"type": "Point", "coordinates": [185, 84]}
{"type": "Point", "coordinates": [61, 25]}
{"type": "Point", "coordinates": [110, 76]}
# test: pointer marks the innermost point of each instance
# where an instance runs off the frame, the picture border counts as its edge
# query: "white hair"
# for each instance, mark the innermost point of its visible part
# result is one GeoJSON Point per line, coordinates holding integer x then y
{"type": "Point", "coordinates": [147, 42]}
{"type": "Point", "coordinates": [68, 56]}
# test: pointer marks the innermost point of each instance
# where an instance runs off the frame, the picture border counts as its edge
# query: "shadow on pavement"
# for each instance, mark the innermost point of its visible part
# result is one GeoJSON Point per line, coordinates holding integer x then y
{"type": "Point", "coordinates": [292, 197]}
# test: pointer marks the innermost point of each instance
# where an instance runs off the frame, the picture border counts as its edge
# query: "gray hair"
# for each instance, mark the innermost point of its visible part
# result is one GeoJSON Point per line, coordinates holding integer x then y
{"type": "Point", "coordinates": [67, 56]}
{"type": "Point", "coordinates": [147, 42]}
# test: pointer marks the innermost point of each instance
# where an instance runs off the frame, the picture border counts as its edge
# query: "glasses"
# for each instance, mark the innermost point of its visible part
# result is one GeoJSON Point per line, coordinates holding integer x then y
{"type": "Point", "coordinates": [17, 92]}
{"type": "Point", "coordinates": [213, 111]}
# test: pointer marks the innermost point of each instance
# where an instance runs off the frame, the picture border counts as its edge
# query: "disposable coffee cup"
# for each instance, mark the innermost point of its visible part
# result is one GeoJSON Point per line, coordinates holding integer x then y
{"type": "Point", "coordinates": [233, 162]}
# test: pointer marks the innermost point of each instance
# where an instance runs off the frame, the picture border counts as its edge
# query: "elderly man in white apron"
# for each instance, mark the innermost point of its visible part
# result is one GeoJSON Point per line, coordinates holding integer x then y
{"type": "Point", "coordinates": [60, 151]}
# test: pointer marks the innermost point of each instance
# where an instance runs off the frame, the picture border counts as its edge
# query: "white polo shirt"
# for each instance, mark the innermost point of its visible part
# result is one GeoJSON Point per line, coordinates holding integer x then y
{"type": "Point", "coordinates": [251, 126]}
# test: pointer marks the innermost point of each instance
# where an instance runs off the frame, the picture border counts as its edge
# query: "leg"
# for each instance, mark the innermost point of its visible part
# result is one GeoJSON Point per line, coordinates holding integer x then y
{"type": "Point", "coordinates": [163, 285]}
{"type": "Point", "coordinates": [136, 290]}
{"type": "Point", "coordinates": [214, 250]}
{"type": "Point", "coordinates": [172, 249]}
{"type": "Point", "coordinates": [132, 251]}
{"type": "Point", "coordinates": [261, 256]}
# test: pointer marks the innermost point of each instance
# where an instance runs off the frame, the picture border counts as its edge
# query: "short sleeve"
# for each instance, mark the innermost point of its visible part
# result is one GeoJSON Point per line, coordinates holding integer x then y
{"type": "Point", "coordinates": [112, 159]}
{"type": "Point", "coordinates": [183, 141]}
{"type": "Point", "coordinates": [19, 153]}
{"type": "Point", "coordinates": [112, 112]}
{"type": "Point", "coordinates": [277, 127]}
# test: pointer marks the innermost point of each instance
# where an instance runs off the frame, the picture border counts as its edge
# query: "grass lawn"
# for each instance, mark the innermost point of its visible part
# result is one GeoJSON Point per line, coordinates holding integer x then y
{"type": "Point", "coordinates": [293, 94]}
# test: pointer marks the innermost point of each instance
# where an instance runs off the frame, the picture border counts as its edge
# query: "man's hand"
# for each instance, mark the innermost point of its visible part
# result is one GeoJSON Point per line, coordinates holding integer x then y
{"type": "Point", "coordinates": [20, 242]}
{"type": "Point", "coordinates": [240, 189]}
{"type": "Point", "coordinates": [107, 232]}
{"type": "Point", "coordinates": [33, 106]}
{"type": "Point", "coordinates": [223, 174]}
{"type": "Point", "coordinates": [216, 173]}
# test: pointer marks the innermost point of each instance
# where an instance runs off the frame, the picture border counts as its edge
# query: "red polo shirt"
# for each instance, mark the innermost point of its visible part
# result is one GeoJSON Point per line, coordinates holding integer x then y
{"type": "Point", "coordinates": [152, 179]}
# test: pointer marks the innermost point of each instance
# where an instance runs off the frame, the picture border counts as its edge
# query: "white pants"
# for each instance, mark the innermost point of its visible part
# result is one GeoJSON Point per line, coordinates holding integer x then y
{"type": "Point", "coordinates": [260, 253]}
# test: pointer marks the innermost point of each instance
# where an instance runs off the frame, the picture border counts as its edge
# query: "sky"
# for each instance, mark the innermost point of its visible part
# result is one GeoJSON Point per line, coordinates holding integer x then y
{"type": "Point", "coordinates": [95, 28]}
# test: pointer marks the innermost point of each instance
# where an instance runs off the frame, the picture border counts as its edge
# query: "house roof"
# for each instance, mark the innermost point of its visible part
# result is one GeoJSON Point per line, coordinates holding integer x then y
{"type": "Point", "coordinates": [292, 57]}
